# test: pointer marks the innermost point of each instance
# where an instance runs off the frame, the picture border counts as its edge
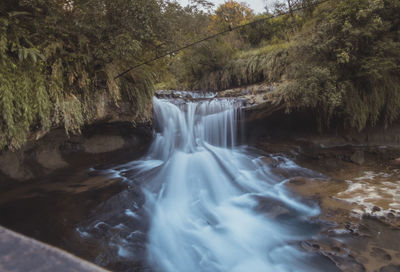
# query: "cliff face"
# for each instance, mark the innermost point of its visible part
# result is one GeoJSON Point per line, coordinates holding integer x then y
{"type": "Point", "coordinates": [111, 128]}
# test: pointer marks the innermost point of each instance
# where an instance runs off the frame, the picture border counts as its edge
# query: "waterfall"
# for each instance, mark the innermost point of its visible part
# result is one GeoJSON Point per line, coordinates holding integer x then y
{"type": "Point", "coordinates": [188, 127]}
{"type": "Point", "coordinates": [212, 204]}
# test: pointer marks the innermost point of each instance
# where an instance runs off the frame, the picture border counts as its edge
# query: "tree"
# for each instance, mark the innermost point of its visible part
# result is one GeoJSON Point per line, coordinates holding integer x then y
{"type": "Point", "coordinates": [231, 13]}
{"type": "Point", "coordinates": [348, 69]}
{"type": "Point", "coordinates": [55, 56]}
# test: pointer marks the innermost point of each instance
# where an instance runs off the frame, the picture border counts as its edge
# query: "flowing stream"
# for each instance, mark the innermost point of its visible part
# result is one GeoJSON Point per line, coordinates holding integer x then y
{"type": "Point", "coordinates": [209, 203]}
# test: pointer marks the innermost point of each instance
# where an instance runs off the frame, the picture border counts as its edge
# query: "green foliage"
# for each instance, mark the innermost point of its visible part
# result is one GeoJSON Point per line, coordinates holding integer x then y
{"type": "Point", "coordinates": [349, 67]}
{"type": "Point", "coordinates": [271, 31]}
{"type": "Point", "coordinates": [23, 102]}
{"type": "Point", "coordinates": [206, 58]}
{"type": "Point", "coordinates": [265, 64]}
{"type": "Point", "coordinates": [56, 55]}
{"type": "Point", "coordinates": [341, 59]}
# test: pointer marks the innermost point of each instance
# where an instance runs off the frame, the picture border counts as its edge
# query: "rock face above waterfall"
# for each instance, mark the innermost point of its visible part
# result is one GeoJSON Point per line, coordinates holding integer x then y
{"type": "Point", "coordinates": [110, 128]}
{"type": "Point", "coordinates": [98, 143]}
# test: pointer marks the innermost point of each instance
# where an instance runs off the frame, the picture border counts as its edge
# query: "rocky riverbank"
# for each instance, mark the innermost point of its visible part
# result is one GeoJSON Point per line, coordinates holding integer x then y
{"type": "Point", "coordinates": [358, 194]}
{"type": "Point", "coordinates": [354, 177]}
{"type": "Point", "coordinates": [98, 143]}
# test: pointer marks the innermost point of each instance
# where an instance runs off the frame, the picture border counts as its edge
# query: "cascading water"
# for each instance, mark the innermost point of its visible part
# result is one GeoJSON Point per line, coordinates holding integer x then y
{"type": "Point", "coordinates": [210, 205]}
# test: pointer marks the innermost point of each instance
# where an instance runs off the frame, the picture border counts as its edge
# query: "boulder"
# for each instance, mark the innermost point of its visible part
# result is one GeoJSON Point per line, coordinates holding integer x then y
{"type": "Point", "coordinates": [396, 162]}
{"type": "Point", "coordinates": [103, 143]}
{"type": "Point", "coordinates": [51, 159]}
{"type": "Point", "coordinates": [19, 253]}
{"type": "Point", "coordinates": [11, 164]}
{"type": "Point", "coordinates": [358, 157]}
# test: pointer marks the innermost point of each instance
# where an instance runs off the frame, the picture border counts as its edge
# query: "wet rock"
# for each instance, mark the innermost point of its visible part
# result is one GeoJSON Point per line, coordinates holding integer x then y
{"type": "Point", "coordinates": [271, 162]}
{"type": "Point", "coordinates": [11, 164]}
{"type": "Point", "coordinates": [19, 253]}
{"type": "Point", "coordinates": [390, 268]}
{"type": "Point", "coordinates": [380, 254]}
{"type": "Point", "coordinates": [251, 101]}
{"type": "Point", "coordinates": [376, 209]}
{"type": "Point", "coordinates": [174, 95]}
{"type": "Point", "coordinates": [245, 92]}
{"type": "Point", "coordinates": [299, 180]}
{"type": "Point", "coordinates": [102, 144]}
{"type": "Point", "coordinates": [188, 97]}
{"type": "Point", "coordinates": [51, 159]}
{"type": "Point", "coordinates": [346, 263]}
{"type": "Point", "coordinates": [390, 215]}
{"type": "Point", "coordinates": [70, 147]}
{"type": "Point", "coordinates": [271, 207]}
{"type": "Point", "coordinates": [358, 157]}
{"type": "Point", "coordinates": [309, 246]}
{"type": "Point", "coordinates": [277, 211]}
{"type": "Point", "coordinates": [396, 162]}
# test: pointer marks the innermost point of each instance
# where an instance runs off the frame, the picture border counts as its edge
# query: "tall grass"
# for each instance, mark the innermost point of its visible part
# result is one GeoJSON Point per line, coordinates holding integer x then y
{"type": "Point", "coordinates": [265, 64]}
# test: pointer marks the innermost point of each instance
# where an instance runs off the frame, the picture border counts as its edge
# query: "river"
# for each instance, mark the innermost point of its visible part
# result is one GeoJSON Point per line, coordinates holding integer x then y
{"type": "Point", "coordinates": [210, 203]}
{"type": "Point", "coordinates": [202, 198]}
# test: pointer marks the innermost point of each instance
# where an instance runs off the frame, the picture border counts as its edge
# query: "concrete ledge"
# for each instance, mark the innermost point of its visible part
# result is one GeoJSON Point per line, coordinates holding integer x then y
{"type": "Point", "coordinates": [19, 253]}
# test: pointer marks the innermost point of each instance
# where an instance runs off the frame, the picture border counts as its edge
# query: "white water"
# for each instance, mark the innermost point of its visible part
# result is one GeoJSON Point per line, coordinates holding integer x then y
{"type": "Point", "coordinates": [211, 205]}
{"type": "Point", "coordinates": [204, 197]}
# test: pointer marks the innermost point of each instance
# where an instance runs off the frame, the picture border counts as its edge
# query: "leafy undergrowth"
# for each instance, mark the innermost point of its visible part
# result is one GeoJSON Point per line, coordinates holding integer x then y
{"type": "Point", "coordinates": [340, 59]}
{"type": "Point", "coordinates": [55, 61]}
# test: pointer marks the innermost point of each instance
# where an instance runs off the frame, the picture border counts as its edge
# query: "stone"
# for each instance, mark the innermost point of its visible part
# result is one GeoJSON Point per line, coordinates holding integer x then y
{"type": "Point", "coordinates": [271, 207]}
{"type": "Point", "coordinates": [245, 92]}
{"type": "Point", "coordinates": [188, 97]}
{"type": "Point", "coordinates": [396, 162]}
{"type": "Point", "coordinates": [348, 264]}
{"type": "Point", "coordinates": [390, 268]}
{"type": "Point", "coordinates": [308, 246]}
{"type": "Point", "coordinates": [299, 180]}
{"type": "Point", "coordinates": [270, 162]}
{"type": "Point", "coordinates": [51, 159]}
{"type": "Point", "coordinates": [380, 254]}
{"type": "Point", "coordinates": [19, 253]}
{"type": "Point", "coordinates": [276, 211]}
{"type": "Point", "coordinates": [358, 157]}
{"type": "Point", "coordinates": [103, 144]}
{"type": "Point", "coordinates": [11, 164]}
{"type": "Point", "coordinates": [376, 209]}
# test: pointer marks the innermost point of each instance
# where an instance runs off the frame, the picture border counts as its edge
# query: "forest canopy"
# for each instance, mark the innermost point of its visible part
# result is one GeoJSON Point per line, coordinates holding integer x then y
{"type": "Point", "coordinates": [339, 58]}
{"type": "Point", "coordinates": [57, 55]}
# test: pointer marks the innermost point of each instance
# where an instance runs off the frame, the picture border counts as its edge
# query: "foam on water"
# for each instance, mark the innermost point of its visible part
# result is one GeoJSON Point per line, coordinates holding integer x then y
{"type": "Point", "coordinates": [374, 190]}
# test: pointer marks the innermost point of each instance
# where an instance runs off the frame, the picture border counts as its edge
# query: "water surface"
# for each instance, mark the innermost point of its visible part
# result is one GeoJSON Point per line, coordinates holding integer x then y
{"type": "Point", "coordinates": [200, 201]}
